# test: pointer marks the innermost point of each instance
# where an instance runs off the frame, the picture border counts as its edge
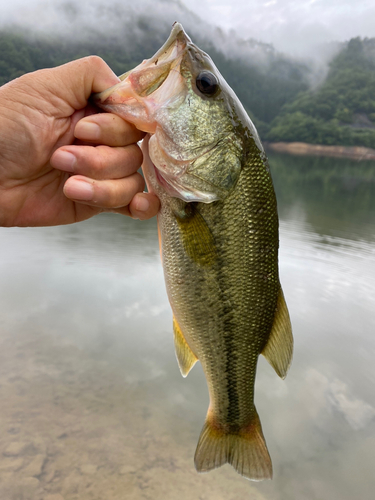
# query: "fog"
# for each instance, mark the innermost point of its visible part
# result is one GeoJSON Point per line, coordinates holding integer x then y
{"type": "Point", "coordinates": [208, 23]}
{"type": "Point", "coordinates": [298, 28]}
{"type": "Point", "coordinates": [255, 31]}
{"type": "Point", "coordinates": [128, 23]}
{"type": "Point", "coordinates": [293, 26]}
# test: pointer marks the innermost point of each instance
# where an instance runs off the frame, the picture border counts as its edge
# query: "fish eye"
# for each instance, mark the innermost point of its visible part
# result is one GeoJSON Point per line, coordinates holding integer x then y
{"type": "Point", "coordinates": [207, 83]}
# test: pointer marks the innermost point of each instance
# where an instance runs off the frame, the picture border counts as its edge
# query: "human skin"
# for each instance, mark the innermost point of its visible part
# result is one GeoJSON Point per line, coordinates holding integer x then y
{"type": "Point", "coordinates": [59, 161]}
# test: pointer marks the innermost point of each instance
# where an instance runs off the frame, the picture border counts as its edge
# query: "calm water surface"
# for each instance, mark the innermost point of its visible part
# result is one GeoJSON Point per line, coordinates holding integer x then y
{"type": "Point", "coordinates": [92, 404]}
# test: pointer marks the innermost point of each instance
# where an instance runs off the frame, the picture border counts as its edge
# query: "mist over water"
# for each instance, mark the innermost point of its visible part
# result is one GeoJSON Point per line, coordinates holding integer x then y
{"type": "Point", "coordinates": [93, 405]}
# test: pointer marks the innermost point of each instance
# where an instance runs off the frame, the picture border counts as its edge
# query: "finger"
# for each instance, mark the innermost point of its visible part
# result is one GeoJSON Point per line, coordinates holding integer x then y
{"type": "Point", "coordinates": [100, 162]}
{"type": "Point", "coordinates": [67, 87]}
{"type": "Point", "coordinates": [73, 82]}
{"type": "Point", "coordinates": [144, 206]}
{"type": "Point", "coordinates": [108, 194]}
{"type": "Point", "coordinates": [107, 128]}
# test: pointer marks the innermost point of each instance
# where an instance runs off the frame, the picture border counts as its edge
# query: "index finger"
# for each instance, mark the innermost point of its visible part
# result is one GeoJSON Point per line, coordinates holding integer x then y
{"type": "Point", "coordinates": [108, 129]}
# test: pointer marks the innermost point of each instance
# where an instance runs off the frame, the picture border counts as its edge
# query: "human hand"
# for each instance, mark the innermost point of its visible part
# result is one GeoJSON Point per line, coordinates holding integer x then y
{"type": "Point", "coordinates": [44, 116]}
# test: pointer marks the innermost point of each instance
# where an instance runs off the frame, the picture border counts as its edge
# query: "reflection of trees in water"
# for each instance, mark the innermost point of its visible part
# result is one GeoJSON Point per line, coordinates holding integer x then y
{"type": "Point", "coordinates": [337, 195]}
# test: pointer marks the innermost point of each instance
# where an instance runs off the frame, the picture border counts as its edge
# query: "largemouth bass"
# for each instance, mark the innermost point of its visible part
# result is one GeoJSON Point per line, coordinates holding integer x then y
{"type": "Point", "coordinates": [218, 229]}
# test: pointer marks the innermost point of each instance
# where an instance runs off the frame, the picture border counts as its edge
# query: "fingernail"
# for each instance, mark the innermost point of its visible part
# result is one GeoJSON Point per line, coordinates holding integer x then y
{"type": "Point", "coordinates": [64, 161]}
{"type": "Point", "coordinates": [79, 190]}
{"type": "Point", "coordinates": [142, 204]}
{"type": "Point", "coordinates": [87, 130]}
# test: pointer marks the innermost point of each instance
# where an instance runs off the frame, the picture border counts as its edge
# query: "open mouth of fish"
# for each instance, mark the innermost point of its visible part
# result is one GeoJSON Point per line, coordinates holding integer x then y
{"type": "Point", "coordinates": [141, 98]}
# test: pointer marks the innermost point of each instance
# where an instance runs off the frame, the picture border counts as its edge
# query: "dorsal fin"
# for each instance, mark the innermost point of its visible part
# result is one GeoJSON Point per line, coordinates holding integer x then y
{"type": "Point", "coordinates": [185, 356]}
{"type": "Point", "coordinates": [279, 349]}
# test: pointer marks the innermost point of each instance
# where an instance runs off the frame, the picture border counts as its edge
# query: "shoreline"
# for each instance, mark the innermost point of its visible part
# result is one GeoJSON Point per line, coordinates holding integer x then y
{"type": "Point", "coordinates": [304, 149]}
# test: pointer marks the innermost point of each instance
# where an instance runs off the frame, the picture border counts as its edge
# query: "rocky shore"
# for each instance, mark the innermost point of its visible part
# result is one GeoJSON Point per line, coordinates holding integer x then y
{"type": "Point", "coordinates": [301, 148]}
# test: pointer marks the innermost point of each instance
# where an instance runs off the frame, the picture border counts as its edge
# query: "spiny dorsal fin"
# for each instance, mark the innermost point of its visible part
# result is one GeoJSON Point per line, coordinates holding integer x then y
{"type": "Point", "coordinates": [185, 356]}
{"type": "Point", "coordinates": [279, 348]}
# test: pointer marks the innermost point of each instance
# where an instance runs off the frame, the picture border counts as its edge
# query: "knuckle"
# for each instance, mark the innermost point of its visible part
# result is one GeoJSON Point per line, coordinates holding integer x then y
{"type": "Point", "coordinates": [140, 181]}
{"type": "Point", "coordinates": [135, 154]}
{"type": "Point", "coordinates": [119, 193]}
{"type": "Point", "coordinates": [100, 159]}
{"type": "Point", "coordinates": [96, 61]}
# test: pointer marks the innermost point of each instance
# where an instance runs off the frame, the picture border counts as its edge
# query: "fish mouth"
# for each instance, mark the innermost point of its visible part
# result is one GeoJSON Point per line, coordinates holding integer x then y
{"type": "Point", "coordinates": [135, 97]}
{"type": "Point", "coordinates": [177, 37]}
{"type": "Point", "coordinates": [141, 97]}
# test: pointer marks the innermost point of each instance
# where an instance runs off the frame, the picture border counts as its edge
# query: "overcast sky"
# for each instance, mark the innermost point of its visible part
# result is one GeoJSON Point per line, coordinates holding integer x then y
{"type": "Point", "coordinates": [291, 25]}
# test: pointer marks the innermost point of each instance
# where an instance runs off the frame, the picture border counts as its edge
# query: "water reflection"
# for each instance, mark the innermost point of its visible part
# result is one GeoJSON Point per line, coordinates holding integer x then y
{"type": "Point", "coordinates": [92, 402]}
{"type": "Point", "coordinates": [336, 196]}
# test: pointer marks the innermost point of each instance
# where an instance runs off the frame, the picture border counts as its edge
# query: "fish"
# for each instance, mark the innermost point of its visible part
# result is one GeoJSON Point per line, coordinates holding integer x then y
{"type": "Point", "coordinates": [218, 234]}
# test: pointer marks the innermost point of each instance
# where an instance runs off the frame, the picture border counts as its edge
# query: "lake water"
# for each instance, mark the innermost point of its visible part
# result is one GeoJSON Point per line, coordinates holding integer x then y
{"type": "Point", "coordinates": [92, 404]}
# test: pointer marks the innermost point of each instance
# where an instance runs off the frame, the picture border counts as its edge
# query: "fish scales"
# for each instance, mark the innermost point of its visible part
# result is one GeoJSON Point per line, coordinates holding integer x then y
{"type": "Point", "coordinates": [218, 229]}
{"type": "Point", "coordinates": [243, 279]}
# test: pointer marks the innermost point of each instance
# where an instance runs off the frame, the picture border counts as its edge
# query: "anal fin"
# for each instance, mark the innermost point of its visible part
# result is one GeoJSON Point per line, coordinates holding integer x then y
{"type": "Point", "coordinates": [185, 356]}
{"type": "Point", "coordinates": [279, 349]}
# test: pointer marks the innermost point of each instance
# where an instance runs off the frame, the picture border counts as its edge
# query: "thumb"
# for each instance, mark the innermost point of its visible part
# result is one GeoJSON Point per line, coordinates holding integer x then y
{"type": "Point", "coordinates": [72, 83]}
{"type": "Point", "coordinates": [85, 76]}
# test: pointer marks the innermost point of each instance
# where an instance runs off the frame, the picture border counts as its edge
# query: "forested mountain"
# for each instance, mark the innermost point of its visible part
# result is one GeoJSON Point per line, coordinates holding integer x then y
{"type": "Point", "coordinates": [342, 110]}
{"type": "Point", "coordinates": [273, 88]}
{"type": "Point", "coordinates": [263, 88]}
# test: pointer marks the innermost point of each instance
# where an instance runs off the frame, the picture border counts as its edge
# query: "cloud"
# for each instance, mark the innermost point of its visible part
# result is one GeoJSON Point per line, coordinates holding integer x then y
{"type": "Point", "coordinates": [358, 413]}
{"type": "Point", "coordinates": [294, 26]}
{"type": "Point", "coordinates": [299, 28]}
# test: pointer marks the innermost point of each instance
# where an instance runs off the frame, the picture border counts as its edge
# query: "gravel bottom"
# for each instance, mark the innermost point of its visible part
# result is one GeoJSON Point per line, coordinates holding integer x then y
{"type": "Point", "coordinates": [71, 429]}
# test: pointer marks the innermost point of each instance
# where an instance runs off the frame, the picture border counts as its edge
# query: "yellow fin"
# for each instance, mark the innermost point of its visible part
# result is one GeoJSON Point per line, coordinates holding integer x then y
{"type": "Point", "coordinates": [197, 238]}
{"type": "Point", "coordinates": [185, 356]}
{"type": "Point", "coordinates": [279, 349]}
{"type": "Point", "coordinates": [245, 450]}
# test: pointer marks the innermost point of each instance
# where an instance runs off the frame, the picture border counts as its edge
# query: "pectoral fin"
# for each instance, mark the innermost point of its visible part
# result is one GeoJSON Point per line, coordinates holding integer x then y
{"type": "Point", "coordinates": [197, 238]}
{"type": "Point", "coordinates": [185, 356]}
{"type": "Point", "coordinates": [279, 348]}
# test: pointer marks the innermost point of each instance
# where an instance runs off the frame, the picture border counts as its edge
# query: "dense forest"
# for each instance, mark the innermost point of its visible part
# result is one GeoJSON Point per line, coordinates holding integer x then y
{"type": "Point", "coordinates": [342, 110]}
{"type": "Point", "coordinates": [276, 93]}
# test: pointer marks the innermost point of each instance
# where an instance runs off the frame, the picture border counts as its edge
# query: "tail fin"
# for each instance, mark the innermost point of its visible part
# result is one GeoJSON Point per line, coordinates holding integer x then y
{"type": "Point", "coordinates": [246, 450]}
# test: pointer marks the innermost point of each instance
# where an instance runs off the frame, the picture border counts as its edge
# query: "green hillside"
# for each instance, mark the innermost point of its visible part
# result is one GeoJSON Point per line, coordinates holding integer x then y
{"type": "Point", "coordinates": [342, 110]}
{"type": "Point", "coordinates": [263, 90]}
{"type": "Point", "coordinates": [21, 54]}
{"type": "Point", "coordinates": [275, 94]}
